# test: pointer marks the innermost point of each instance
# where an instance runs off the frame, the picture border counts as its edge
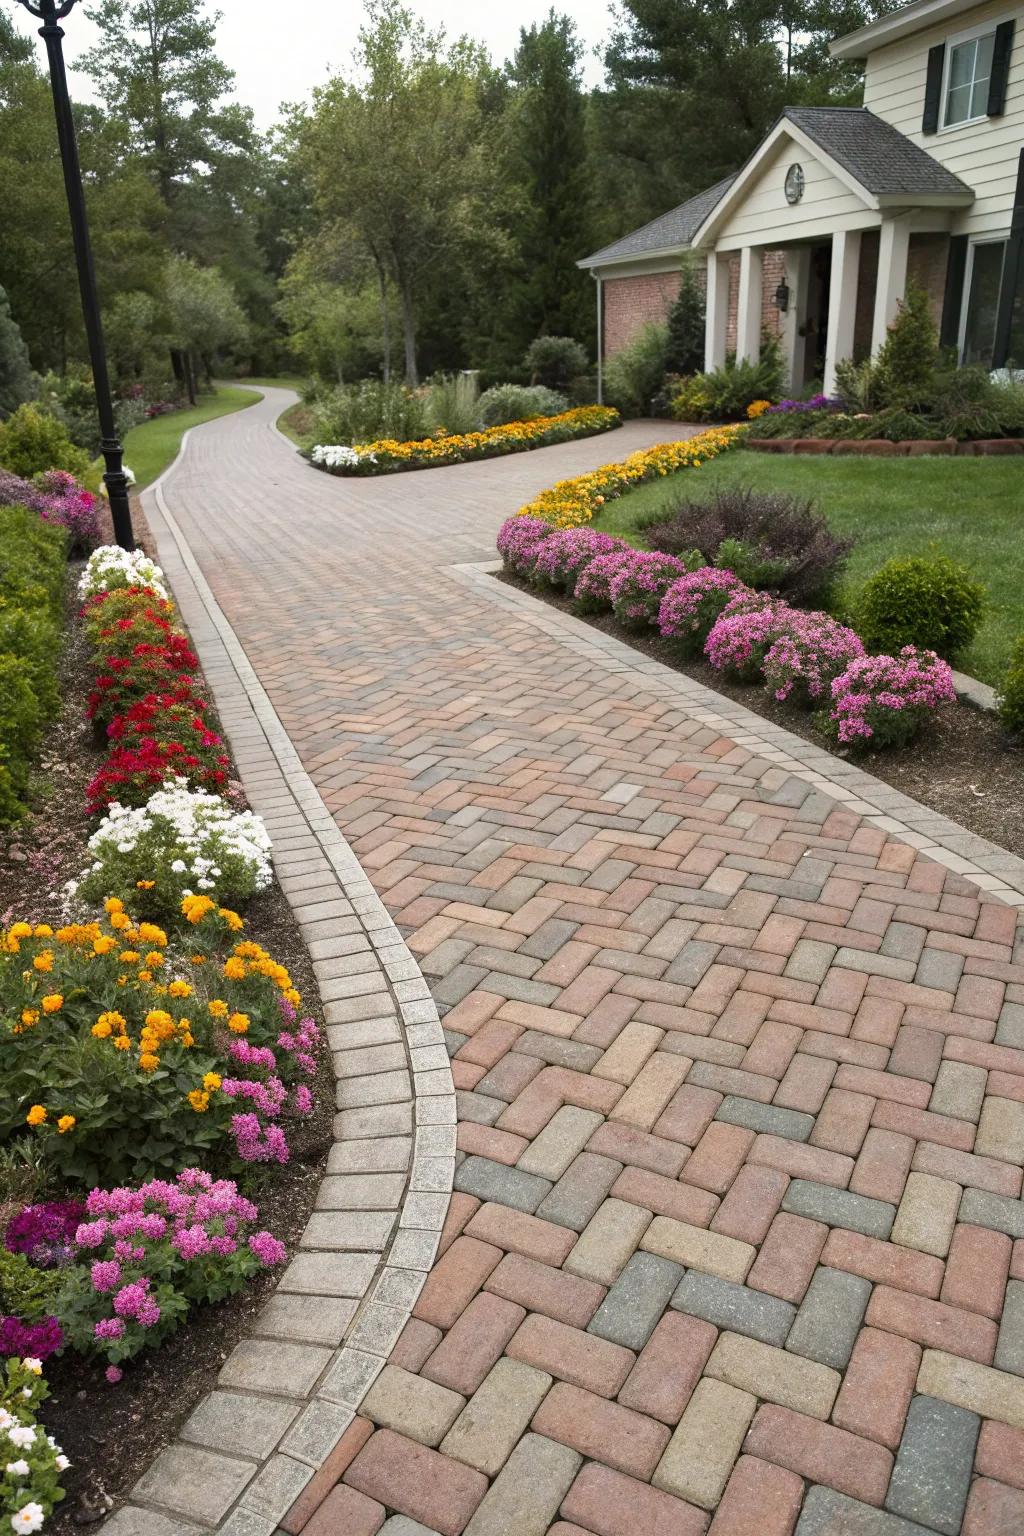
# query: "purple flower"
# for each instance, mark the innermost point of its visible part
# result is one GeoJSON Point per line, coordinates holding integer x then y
{"type": "Point", "coordinates": [113, 1373]}
{"type": "Point", "coordinates": [639, 584]}
{"type": "Point", "coordinates": [593, 585]}
{"type": "Point", "coordinates": [802, 663]}
{"type": "Point", "coordinates": [110, 1328]}
{"type": "Point", "coordinates": [693, 602]}
{"type": "Point", "coordinates": [269, 1250]}
{"type": "Point", "coordinates": [130, 1298]}
{"type": "Point", "coordinates": [519, 540]}
{"type": "Point", "coordinates": [568, 551]}
{"type": "Point", "coordinates": [44, 1232]}
{"type": "Point", "coordinates": [886, 699]}
{"type": "Point", "coordinates": [105, 1274]}
{"type": "Point", "coordinates": [37, 1340]}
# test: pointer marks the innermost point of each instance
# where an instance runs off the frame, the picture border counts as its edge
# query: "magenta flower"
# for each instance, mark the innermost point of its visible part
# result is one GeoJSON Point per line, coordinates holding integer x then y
{"type": "Point", "coordinates": [639, 584]}
{"type": "Point", "coordinates": [592, 592]}
{"type": "Point", "coordinates": [693, 603]}
{"type": "Point", "coordinates": [743, 634]}
{"type": "Point", "coordinates": [268, 1249]}
{"type": "Point", "coordinates": [110, 1328]}
{"type": "Point", "coordinates": [885, 700]}
{"type": "Point", "coordinates": [804, 661]}
{"type": "Point", "coordinates": [565, 553]}
{"type": "Point", "coordinates": [519, 540]}
{"type": "Point", "coordinates": [105, 1274]}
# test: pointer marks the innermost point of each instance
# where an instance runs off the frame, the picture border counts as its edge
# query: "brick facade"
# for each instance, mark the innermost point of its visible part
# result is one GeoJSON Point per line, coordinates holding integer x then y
{"type": "Point", "coordinates": [926, 266]}
{"type": "Point", "coordinates": [630, 303]}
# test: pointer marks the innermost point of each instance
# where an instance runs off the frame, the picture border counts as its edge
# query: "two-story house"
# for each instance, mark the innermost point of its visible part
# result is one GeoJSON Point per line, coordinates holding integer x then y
{"type": "Point", "coordinates": [818, 234]}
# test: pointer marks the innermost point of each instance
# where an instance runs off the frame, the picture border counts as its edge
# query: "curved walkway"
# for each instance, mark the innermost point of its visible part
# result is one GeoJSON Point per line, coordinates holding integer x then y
{"type": "Point", "coordinates": [737, 1240]}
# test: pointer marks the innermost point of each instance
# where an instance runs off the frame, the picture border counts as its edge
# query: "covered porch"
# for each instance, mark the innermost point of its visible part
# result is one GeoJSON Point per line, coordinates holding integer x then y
{"type": "Point", "coordinates": [855, 209]}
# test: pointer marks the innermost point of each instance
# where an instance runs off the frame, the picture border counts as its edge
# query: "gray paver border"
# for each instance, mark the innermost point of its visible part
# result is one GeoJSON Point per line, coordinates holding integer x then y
{"type": "Point", "coordinates": [378, 1281]}
{"type": "Point", "coordinates": [997, 872]}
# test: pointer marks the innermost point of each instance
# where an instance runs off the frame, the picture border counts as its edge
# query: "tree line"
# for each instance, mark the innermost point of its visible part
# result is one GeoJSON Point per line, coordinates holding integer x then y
{"type": "Point", "coordinates": [424, 210]}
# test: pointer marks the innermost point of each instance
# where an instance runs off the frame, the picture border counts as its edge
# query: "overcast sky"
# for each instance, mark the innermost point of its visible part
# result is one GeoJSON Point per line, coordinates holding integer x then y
{"type": "Point", "coordinates": [280, 49]}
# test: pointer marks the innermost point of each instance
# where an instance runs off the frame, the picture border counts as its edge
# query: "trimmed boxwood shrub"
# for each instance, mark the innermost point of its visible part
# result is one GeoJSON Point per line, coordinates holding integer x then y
{"type": "Point", "coordinates": [32, 564]}
{"type": "Point", "coordinates": [924, 600]}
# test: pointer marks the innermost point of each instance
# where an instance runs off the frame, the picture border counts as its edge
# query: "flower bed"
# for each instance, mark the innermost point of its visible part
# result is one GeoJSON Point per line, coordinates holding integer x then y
{"type": "Point", "coordinates": [571, 503]}
{"type": "Point", "coordinates": [386, 456]}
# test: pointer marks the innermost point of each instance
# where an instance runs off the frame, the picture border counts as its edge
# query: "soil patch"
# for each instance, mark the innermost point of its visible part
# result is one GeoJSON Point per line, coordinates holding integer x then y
{"type": "Point", "coordinates": [963, 767]}
{"type": "Point", "coordinates": [111, 1433]}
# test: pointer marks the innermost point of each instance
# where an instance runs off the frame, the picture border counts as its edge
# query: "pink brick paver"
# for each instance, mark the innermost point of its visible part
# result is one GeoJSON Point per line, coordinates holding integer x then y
{"type": "Point", "coordinates": [681, 986]}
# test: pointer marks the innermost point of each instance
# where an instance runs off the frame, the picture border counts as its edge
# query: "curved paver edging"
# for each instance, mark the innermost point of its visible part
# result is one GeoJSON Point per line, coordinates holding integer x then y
{"type": "Point", "coordinates": [286, 1395]}
{"type": "Point", "coordinates": [995, 870]}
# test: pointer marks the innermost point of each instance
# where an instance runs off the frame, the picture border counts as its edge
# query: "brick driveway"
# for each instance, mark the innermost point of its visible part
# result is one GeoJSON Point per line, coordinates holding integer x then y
{"type": "Point", "coordinates": [737, 1241]}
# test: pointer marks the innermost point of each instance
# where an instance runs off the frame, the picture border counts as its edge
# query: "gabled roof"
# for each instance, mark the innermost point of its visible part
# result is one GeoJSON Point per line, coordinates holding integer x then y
{"type": "Point", "coordinates": [668, 235]}
{"type": "Point", "coordinates": [881, 158]}
{"type": "Point", "coordinates": [897, 24]}
{"type": "Point", "coordinates": [871, 157]}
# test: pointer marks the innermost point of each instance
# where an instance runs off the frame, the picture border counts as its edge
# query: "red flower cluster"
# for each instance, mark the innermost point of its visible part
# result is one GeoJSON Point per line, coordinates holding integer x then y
{"type": "Point", "coordinates": [148, 692]}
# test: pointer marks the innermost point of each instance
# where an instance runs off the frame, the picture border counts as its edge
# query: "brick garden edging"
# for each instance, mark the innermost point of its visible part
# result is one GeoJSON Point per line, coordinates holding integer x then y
{"type": "Point", "coordinates": [286, 1395]}
{"type": "Point", "coordinates": [986, 865]}
{"type": "Point", "coordinates": [880, 447]}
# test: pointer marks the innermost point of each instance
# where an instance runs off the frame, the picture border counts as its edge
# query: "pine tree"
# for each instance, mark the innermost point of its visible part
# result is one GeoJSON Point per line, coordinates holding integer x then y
{"type": "Point", "coordinates": [16, 381]}
{"type": "Point", "coordinates": [686, 325]}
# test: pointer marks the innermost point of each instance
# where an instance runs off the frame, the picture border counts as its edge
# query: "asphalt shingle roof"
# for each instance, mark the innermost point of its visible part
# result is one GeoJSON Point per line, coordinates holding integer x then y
{"type": "Point", "coordinates": [672, 231]}
{"type": "Point", "coordinates": [882, 159]}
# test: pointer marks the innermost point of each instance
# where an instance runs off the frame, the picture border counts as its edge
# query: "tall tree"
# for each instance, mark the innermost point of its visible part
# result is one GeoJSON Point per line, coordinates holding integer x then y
{"type": "Point", "coordinates": [16, 382]}
{"type": "Point", "coordinates": [548, 159]}
{"type": "Point", "coordinates": [396, 155]}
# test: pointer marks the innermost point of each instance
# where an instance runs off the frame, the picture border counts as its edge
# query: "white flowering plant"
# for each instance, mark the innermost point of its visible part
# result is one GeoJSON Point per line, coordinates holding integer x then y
{"type": "Point", "coordinates": [339, 456]}
{"type": "Point", "coordinates": [182, 842]}
{"type": "Point", "coordinates": [110, 567]}
{"type": "Point", "coordinates": [31, 1461]}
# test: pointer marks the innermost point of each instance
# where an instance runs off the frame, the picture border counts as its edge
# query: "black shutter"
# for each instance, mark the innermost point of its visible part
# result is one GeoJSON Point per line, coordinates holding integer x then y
{"type": "Point", "coordinates": [953, 298]}
{"type": "Point", "coordinates": [1012, 275]}
{"type": "Point", "coordinates": [933, 89]}
{"type": "Point", "coordinates": [1001, 51]}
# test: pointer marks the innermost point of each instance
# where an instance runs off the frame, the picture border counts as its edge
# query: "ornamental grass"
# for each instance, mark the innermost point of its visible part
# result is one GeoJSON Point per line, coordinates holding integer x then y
{"type": "Point", "coordinates": [571, 503]}
{"type": "Point", "coordinates": [387, 455]}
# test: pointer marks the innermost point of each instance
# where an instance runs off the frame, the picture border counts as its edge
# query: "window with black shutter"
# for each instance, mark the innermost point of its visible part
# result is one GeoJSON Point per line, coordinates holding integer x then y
{"type": "Point", "coordinates": [933, 88]}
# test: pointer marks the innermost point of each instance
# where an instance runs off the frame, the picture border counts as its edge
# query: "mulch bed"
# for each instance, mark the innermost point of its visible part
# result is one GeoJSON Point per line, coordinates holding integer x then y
{"type": "Point", "coordinates": [964, 767]}
{"type": "Point", "coordinates": [113, 1433]}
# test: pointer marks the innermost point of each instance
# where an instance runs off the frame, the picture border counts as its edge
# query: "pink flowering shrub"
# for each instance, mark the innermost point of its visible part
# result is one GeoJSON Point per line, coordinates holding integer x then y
{"type": "Point", "coordinates": [805, 661]}
{"type": "Point", "coordinates": [144, 1255]}
{"type": "Point", "coordinates": [885, 700]}
{"type": "Point", "coordinates": [260, 1090]}
{"type": "Point", "coordinates": [692, 604]}
{"type": "Point", "coordinates": [568, 551]}
{"type": "Point", "coordinates": [641, 582]}
{"type": "Point", "coordinates": [519, 541]}
{"type": "Point", "coordinates": [592, 592]}
{"type": "Point", "coordinates": [741, 637]}
{"type": "Point", "coordinates": [72, 506]}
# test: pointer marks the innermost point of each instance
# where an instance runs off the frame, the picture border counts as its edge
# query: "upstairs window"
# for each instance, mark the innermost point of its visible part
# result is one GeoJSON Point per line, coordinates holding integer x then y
{"type": "Point", "coordinates": [968, 78]}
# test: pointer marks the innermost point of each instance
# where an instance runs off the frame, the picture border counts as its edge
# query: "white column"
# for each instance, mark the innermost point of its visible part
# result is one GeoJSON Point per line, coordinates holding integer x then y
{"type": "Point", "coordinates": [748, 309]}
{"type": "Point", "coordinates": [794, 346]}
{"type": "Point", "coordinates": [842, 302]}
{"type": "Point", "coordinates": [716, 310]}
{"type": "Point", "coordinates": [893, 245]}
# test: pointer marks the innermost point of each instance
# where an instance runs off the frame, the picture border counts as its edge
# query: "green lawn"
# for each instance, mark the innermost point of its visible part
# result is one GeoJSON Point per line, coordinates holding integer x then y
{"type": "Point", "coordinates": [149, 448]}
{"type": "Point", "coordinates": [972, 509]}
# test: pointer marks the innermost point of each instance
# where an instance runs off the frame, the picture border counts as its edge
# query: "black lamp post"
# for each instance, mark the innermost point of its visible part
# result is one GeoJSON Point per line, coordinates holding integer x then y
{"type": "Point", "coordinates": [50, 12]}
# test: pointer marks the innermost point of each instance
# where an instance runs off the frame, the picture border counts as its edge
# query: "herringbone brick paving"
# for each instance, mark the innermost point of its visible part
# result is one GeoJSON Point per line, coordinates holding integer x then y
{"type": "Point", "coordinates": [737, 1242]}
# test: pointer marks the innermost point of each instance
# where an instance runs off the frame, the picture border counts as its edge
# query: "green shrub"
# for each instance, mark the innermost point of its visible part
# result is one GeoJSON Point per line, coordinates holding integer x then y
{"type": "Point", "coordinates": [366, 412]}
{"type": "Point", "coordinates": [970, 404]}
{"type": "Point", "coordinates": [26, 1292]}
{"type": "Point", "coordinates": [555, 361]}
{"type": "Point", "coordinates": [634, 376]}
{"type": "Point", "coordinates": [1010, 700]}
{"type": "Point", "coordinates": [693, 399]}
{"type": "Point", "coordinates": [31, 442]}
{"type": "Point", "coordinates": [725, 393]}
{"type": "Point", "coordinates": [753, 564]}
{"type": "Point", "coordinates": [453, 402]}
{"type": "Point", "coordinates": [923, 600]}
{"type": "Point", "coordinates": [31, 595]}
{"type": "Point", "coordinates": [857, 385]}
{"type": "Point", "coordinates": [906, 369]}
{"type": "Point", "coordinates": [503, 403]}
{"type": "Point", "coordinates": [685, 353]}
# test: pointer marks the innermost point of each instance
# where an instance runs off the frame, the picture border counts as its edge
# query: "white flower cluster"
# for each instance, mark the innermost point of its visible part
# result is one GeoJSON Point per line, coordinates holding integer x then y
{"type": "Point", "coordinates": [195, 831]}
{"type": "Point", "coordinates": [334, 456]}
{"type": "Point", "coordinates": [110, 566]}
{"type": "Point", "coordinates": [30, 1516]}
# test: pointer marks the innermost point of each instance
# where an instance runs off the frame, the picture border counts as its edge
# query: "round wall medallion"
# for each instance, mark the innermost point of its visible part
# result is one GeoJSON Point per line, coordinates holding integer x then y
{"type": "Point", "coordinates": [794, 183]}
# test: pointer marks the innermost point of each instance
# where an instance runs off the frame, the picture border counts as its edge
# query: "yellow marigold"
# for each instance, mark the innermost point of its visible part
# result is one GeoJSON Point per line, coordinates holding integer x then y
{"type": "Point", "coordinates": [113, 904]}
{"type": "Point", "coordinates": [123, 1043]}
{"type": "Point", "coordinates": [42, 931]}
{"type": "Point", "coordinates": [211, 1082]}
{"type": "Point", "coordinates": [188, 1039]}
{"type": "Point", "coordinates": [234, 969]}
{"type": "Point", "coordinates": [198, 959]}
{"type": "Point", "coordinates": [199, 1101]}
{"type": "Point", "coordinates": [144, 885]}
{"type": "Point", "coordinates": [53, 1002]}
{"type": "Point", "coordinates": [195, 908]}
{"type": "Point", "coordinates": [145, 975]}
{"type": "Point", "coordinates": [120, 921]}
{"type": "Point", "coordinates": [29, 1016]}
{"type": "Point", "coordinates": [180, 989]}
{"type": "Point", "coordinates": [293, 996]}
{"type": "Point", "coordinates": [104, 944]}
{"type": "Point", "coordinates": [148, 1062]}
{"type": "Point", "coordinates": [66, 1123]}
{"type": "Point", "coordinates": [152, 934]}
{"type": "Point", "coordinates": [250, 951]}
{"type": "Point", "coordinates": [11, 945]}
{"type": "Point", "coordinates": [154, 959]}
{"type": "Point", "coordinates": [158, 1019]}
{"type": "Point", "coordinates": [36, 1115]}
{"type": "Point", "coordinates": [115, 1020]}
{"type": "Point", "coordinates": [44, 960]}
{"type": "Point", "coordinates": [20, 930]}
{"type": "Point", "coordinates": [757, 408]}
{"type": "Point", "coordinates": [102, 1029]}
{"type": "Point", "coordinates": [239, 1023]}
{"type": "Point", "coordinates": [218, 1008]}
{"type": "Point", "coordinates": [232, 919]}
{"type": "Point", "coordinates": [128, 956]}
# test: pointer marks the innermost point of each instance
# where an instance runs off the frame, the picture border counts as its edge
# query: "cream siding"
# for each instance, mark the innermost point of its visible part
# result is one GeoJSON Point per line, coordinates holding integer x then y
{"type": "Point", "coordinates": [984, 154]}
{"type": "Point", "coordinates": [763, 216]}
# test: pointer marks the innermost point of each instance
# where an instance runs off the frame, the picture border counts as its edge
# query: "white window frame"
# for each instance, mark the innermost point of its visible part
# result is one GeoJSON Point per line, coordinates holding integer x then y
{"type": "Point", "coordinates": [967, 36]}
{"type": "Point", "coordinates": [968, 280]}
